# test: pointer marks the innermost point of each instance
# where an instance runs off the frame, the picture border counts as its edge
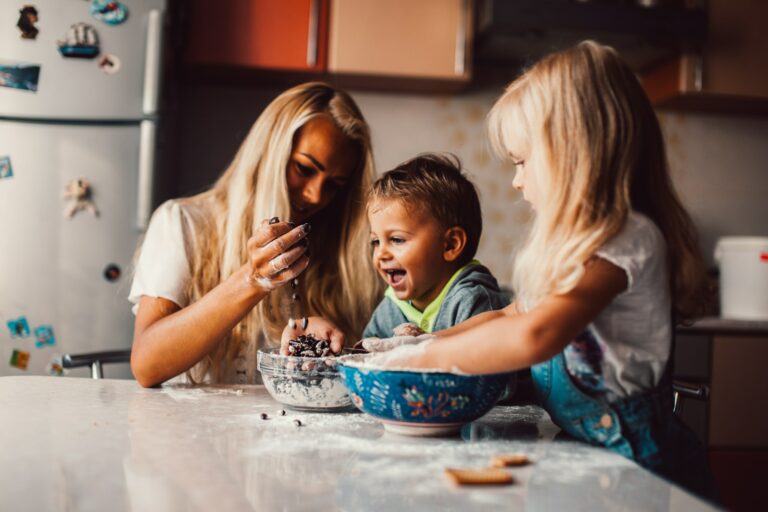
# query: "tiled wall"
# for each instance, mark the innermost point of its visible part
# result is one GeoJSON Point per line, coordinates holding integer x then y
{"type": "Point", "coordinates": [719, 163]}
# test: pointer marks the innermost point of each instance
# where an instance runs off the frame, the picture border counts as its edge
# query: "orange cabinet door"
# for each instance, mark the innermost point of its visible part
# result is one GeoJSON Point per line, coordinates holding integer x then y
{"type": "Point", "coordinates": [425, 38]}
{"type": "Point", "coordinates": [283, 34]}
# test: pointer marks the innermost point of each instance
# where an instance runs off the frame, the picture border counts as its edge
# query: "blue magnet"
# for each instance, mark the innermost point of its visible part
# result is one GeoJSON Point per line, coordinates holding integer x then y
{"type": "Point", "coordinates": [44, 335]}
{"type": "Point", "coordinates": [6, 171]}
{"type": "Point", "coordinates": [19, 327]}
{"type": "Point", "coordinates": [111, 13]}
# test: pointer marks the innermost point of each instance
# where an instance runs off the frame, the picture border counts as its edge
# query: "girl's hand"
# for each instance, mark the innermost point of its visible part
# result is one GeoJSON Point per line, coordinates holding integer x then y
{"type": "Point", "coordinates": [276, 254]}
{"type": "Point", "coordinates": [387, 344]}
{"type": "Point", "coordinates": [318, 327]}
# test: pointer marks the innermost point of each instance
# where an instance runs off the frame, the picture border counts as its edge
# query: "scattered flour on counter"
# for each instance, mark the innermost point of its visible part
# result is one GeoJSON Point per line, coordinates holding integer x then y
{"type": "Point", "coordinates": [186, 393]}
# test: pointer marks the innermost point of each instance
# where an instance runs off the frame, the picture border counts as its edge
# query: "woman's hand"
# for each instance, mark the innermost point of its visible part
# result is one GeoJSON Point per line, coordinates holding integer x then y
{"type": "Point", "coordinates": [318, 327]}
{"type": "Point", "coordinates": [276, 254]}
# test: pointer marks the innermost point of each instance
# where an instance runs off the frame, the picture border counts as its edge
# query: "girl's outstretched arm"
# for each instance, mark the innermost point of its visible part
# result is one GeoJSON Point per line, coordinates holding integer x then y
{"type": "Point", "coordinates": [509, 342]}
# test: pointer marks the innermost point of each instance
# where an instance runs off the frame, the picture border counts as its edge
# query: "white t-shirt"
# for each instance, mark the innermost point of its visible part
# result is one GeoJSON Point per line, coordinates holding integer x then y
{"type": "Point", "coordinates": [625, 349]}
{"type": "Point", "coordinates": [163, 270]}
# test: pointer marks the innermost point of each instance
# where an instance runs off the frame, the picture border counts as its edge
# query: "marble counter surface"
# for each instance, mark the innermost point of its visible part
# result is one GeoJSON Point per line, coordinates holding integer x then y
{"type": "Point", "coordinates": [81, 445]}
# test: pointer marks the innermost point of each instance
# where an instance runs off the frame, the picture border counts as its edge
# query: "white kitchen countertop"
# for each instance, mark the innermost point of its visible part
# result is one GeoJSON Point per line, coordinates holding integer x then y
{"type": "Point", "coordinates": [81, 445]}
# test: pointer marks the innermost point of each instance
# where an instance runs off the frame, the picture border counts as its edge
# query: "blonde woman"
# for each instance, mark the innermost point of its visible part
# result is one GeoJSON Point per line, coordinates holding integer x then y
{"type": "Point", "coordinates": [612, 254]}
{"type": "Point", "coordinates": [210, 279]}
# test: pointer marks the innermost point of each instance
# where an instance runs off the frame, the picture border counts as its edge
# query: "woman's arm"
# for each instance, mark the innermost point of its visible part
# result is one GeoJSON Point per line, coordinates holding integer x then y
{"type": "Point", "coordinates": [509, 342]}
{"type": "Point", "coordinates": [169, 340]}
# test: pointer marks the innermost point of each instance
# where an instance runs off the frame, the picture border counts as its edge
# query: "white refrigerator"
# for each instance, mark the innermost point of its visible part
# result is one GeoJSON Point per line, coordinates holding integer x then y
{"type": "Point", "coordinates": [64, 279]}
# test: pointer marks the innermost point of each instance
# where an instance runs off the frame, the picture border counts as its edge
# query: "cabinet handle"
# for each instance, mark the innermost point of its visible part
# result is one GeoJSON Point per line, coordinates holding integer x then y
{"type": "Point", "coordinates": [312, 37]}
{"type": "Point", "coordinates": [459, 65]}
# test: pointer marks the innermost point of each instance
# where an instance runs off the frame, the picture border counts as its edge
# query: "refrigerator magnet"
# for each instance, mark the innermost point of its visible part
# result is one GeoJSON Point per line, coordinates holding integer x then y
{"type": "Point", "coordinates": [45, 337]}
{"type": "Point", "coordinates": [109, 64]}
{"type": "Point", "coordinates": [18, 327]}
{"type": "Point", "coordinates": [19, 75]}
{"type": "Point", "coordinates": [6, 171]}
{"type": "Point", "coordinates": [81, 42]}
{"type": "Point", "coordinates": [27, 18]}
{"type": "Point", "coordinates": [78, 194]}
{"type": "Point", "coordinates": [112, 273]}
{"type": "Point", "coordinates": [111, 13]}
{"type": "Point", "coordinates": [20, 359]}
{"type": "Point", "coordinates": [55, 368]}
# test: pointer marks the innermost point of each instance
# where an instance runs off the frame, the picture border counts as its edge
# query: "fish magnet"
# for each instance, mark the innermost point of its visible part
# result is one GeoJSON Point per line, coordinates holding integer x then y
{"type": "Point", "coordinates": [19, 328]}
{"type": "Point", "coordinates": [78, 194]}
{"type": "Point", "coordinates": [27, 18]}
{"type": "Point", "coordinates": [6, 171]}
{"type": "Point", "coordinates": [44, 335]}
{"type": "Point", "coordinates": [81, 42]}
{"type": "Point", "coordinates": [111, 13]}
{"type": "Point", "coordinates": [20, 359]}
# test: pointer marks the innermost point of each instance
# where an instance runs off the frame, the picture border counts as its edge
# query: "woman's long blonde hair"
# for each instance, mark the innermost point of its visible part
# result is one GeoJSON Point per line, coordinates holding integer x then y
{"type": "Point", "coordinates": [590, 133]}
{"type": "Point", "coordinates": [340, 283]}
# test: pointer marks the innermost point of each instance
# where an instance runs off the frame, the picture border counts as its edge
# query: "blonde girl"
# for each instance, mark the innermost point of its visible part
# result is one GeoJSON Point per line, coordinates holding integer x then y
{"type": "Point", "coordinates": [209, 277]}
{"type": "Point", "coordinates": [611, 259]}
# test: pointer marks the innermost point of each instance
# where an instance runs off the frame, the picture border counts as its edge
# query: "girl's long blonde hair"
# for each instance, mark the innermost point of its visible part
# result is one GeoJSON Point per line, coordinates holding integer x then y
{"type": "Point", "coordinates": [340, 283]}
{"type": "Point", "coordinates": [594, 142]}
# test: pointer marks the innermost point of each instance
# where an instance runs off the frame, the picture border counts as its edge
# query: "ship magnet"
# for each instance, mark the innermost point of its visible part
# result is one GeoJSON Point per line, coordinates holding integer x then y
{"type": "Point", "coordinates": [19, 327]}
{"type": "Point", "coordinates": [27, 18]}
{"type": "Point", "coordinates": [6, 171]}
{"type": "Point", "coordinates": [109, 64]}
{"type": "Point", "coordinates": [20, 359]}
{"type": "Point", "coordinates": [81, 41]}
{"type": "Point", "coordinates": [45, 337]}
{"type": "Point", "coordinates": [79, 195]}
{"type": "Point", "coordinates": [111, 13]}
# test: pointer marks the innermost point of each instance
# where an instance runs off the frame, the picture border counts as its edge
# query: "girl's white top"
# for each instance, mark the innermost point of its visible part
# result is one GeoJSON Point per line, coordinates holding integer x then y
{"type": "Point", "coordinates": [633, 334]}
{"type": "Point", "coordinates": [163, 270]}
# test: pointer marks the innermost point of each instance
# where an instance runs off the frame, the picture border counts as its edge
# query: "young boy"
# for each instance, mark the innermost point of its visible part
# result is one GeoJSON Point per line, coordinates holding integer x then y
{"type": "Point", "coordinates": [425, 228]}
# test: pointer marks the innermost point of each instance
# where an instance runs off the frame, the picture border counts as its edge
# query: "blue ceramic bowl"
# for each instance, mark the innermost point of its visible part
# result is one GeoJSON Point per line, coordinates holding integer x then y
{"type": "Point", "coordinates": [420, 403]}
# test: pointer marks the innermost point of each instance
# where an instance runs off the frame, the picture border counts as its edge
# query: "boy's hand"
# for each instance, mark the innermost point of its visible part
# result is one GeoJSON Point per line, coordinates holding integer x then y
{"type": "Point", "coordinates": [320, 328]}
{"type": "Point", "coordinates": [408, 329]}
{"type": "Point", "coordinates": [386, 344]}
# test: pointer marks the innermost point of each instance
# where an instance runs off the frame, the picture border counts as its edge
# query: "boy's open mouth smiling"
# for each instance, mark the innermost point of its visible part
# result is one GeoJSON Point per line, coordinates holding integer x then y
{"type": "Point", "coordinates": [395, 277]}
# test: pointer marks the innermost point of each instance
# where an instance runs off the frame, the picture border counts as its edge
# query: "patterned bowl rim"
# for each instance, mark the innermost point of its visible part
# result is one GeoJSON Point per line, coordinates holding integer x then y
{"type": "Point", "coordinates": [342, 362]}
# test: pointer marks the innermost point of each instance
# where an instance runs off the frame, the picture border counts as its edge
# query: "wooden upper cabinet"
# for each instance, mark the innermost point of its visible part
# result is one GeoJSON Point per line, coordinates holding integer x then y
{"type": "Point", "coordinates": [272, 34]}
{"type": "Point", "coordinates": [419, 39]}
{"type": "Point", "coordinates": [731, 73]}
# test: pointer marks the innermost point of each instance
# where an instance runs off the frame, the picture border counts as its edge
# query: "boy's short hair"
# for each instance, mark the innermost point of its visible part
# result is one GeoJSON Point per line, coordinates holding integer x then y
{"type": "Point", "coordinates": [435, 183]}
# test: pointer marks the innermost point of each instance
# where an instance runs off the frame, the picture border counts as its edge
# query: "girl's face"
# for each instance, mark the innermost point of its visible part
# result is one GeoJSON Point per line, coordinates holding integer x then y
{"type": "Point", "coordinates": [525, 179]}
{"type": "Point", "coordinates": [408, 249]}
{"type": "Point", "coordinates": [321, 163]}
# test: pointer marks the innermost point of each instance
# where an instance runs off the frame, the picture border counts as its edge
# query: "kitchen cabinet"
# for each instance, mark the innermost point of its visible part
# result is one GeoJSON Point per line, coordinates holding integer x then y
{"type": "Point", "coordinates": [285, 35]}
{"type": "Point", "coordinates": [731, 357]}
{"type": "Point", "coordinates": [426, 39]}
{"type": "Point", "coordinates": [729, 74]}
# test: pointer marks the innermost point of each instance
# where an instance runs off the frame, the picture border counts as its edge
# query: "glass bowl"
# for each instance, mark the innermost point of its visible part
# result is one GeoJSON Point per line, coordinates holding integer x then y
{"type": "Point", "coordinates": [303, 383]}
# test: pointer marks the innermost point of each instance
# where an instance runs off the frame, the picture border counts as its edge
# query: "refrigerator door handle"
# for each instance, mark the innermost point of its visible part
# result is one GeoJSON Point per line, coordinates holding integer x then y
{"type": "Point", "coordinates": [146, 173]}
{"type": "Point", "coordinates": [152, 61]}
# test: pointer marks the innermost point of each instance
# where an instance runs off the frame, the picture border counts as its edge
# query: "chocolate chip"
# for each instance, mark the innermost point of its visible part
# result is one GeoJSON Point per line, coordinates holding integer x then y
{"type": "Point", "coordinates": [297, 423]}
{"type": "Point", "coordinates": [282, 412]}
{"type": "Point", "coordinates": [264, 416]}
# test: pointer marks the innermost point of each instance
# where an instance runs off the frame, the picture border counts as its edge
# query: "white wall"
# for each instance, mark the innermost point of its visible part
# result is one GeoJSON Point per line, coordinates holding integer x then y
{"type": "Point", "coordinates": [719, 163]}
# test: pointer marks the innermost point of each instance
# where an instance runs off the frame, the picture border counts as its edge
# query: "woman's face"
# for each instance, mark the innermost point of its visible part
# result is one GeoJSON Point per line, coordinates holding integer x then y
{"type": "Point", "coordinates": [321, 163]}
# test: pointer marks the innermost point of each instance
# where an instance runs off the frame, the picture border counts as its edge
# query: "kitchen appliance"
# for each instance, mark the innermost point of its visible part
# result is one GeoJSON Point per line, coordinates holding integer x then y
{"type": "Point", "coordinates": [77, 144]}
{"type": "Point", "coordinates": [743, 265]}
